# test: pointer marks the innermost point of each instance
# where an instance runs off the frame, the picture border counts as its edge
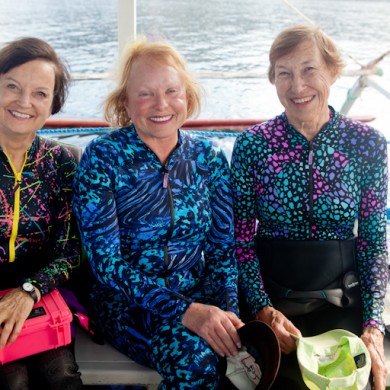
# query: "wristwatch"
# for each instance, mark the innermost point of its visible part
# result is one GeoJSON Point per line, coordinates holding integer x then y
{"type": "Point", "coordinates": [29, 288]}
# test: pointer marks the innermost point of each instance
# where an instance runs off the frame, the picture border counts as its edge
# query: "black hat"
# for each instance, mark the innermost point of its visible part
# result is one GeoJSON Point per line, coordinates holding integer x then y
{"type": "Point", "coordinates": [257, 363]}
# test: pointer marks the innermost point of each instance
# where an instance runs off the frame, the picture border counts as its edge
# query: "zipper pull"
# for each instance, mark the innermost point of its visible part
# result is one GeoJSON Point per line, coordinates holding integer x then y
{"type": "Point", "coordinates": [310, 157]}
{"type": "Point", "coordinates": [165, 179]}
{"type": "Point", "coordinates": [18, 183]}
{"type": "Point", "coordinates": [311, 154]}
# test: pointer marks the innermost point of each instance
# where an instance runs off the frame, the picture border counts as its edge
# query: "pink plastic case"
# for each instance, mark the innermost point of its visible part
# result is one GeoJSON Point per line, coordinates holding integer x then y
{"type": "Point", "coordinates": [47, 327]}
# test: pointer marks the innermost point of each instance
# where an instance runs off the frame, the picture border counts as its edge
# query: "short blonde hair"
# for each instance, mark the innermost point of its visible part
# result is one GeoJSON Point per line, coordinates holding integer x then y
{"type": "Point", "coordinates": [288, 39]}
{"type": "Point", "coordinates": [162, 52]}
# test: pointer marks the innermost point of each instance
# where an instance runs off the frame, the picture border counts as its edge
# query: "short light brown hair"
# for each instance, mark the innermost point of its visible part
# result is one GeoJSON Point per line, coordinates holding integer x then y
{"type": "Point", "coordinates": [161, 52]}
{"type": "Point", "coordinates": [288, 39]}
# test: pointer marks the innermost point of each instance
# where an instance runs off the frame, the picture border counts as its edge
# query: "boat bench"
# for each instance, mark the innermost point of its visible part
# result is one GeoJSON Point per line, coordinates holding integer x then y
{"type": "Point", "coordinates": [104, 365]}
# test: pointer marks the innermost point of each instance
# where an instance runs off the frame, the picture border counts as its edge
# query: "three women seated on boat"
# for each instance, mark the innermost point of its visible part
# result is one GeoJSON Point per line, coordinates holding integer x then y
{"type": "Point", "coordinates": [184, 249]}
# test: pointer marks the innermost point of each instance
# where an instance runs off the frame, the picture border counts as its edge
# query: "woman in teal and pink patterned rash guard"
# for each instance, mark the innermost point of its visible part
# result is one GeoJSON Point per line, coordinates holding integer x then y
{"type": "Point", "coordinates": [39, 244]}
{"type": "Point", "coordinates": [301, 181]}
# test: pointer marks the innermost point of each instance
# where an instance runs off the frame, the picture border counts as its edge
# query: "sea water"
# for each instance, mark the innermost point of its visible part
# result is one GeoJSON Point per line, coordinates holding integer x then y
{"type": "Point", "coordinates": [225, 43]}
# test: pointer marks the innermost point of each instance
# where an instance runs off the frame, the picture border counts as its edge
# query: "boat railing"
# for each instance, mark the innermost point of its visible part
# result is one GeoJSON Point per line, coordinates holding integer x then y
{"type": "Point", "coordinates": [228, 75]}
{"type": "Point", "coordinates": [100, 125]}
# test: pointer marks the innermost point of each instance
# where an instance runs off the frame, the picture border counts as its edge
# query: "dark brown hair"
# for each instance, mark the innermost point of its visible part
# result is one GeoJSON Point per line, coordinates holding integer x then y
{"type": "Point", "coordinates": [23, 50]}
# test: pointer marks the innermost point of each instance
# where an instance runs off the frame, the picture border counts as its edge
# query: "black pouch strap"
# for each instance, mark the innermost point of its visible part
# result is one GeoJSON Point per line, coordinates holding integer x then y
{"type": "Point", "coordinates": [347, 296]}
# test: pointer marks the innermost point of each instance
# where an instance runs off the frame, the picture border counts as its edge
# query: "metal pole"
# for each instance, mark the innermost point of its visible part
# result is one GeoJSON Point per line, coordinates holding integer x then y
{"type": "Point", "coordinates": [127, 22]}
{"type": "Point", "coordinates": [353, 94]}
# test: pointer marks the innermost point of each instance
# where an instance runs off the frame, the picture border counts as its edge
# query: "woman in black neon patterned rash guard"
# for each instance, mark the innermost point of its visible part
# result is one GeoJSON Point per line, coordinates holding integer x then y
{"type": "Point", "coordinates": [302, 179]}
{"type": "Point", "coordinates": [38, 241]}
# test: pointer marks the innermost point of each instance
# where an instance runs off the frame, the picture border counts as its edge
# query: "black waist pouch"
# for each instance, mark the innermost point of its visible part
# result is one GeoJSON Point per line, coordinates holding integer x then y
{"type": "Point", "coordinates": [302, 276]}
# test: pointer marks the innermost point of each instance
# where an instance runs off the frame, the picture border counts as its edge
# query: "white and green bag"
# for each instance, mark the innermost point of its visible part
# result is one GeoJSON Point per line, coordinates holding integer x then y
{"type": "Point", "coordinates": [335, 360]}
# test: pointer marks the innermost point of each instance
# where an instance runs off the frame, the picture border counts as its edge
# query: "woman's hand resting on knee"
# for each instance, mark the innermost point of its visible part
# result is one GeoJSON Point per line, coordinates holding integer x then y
{"type": "Point", "coordinates": [217, 327]}
{"type": "Point", "coordinates": [373, 339]}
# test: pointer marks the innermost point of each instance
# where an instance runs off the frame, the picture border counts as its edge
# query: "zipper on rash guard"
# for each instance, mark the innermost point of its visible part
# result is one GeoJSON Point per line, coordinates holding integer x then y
{"type": "Point", "coordinates": [165, 179]}
{"type": "Point", "coordinates": [16, 213]}
{"type": "Point", "coordinates": [311, 187]}
{"type": "Point", "coordinates": [172, 220]}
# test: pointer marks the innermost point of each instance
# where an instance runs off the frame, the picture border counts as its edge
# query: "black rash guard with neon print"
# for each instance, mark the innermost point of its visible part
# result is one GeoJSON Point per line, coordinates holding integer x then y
{"type": "Point", "coordinates": [38, 240]}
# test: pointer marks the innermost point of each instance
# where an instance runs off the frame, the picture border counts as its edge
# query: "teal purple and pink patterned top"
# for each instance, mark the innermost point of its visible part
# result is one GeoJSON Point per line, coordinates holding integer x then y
{"type": "Point", "coordinates": [287, 187]}
{"type": "Point", "coordinates": [39, 240]}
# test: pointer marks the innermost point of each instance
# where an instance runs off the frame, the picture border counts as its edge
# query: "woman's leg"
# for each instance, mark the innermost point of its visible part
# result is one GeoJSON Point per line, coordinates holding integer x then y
{"type": "Point", "coordinates": [14, 376]}
{"type": "Point", "coordinates": [57, 370]}
{"type": "Point", "coordinates": [333, 317]}
{"type": "Point", "coordinates": [183, 359]}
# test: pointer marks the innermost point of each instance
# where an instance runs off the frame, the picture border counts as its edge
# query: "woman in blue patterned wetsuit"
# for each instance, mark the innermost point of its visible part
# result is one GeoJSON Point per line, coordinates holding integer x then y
{"type": "Point", "coordinates": [303, 179]}
{"type": "Point", "coordinates": [39, 243]}
{"type": "Point", "coordinates": [154, 206]}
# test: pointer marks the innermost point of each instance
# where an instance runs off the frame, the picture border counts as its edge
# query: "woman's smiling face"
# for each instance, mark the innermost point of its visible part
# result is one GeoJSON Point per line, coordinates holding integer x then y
{"type": "Point", "coordinates": [26, 97]}
{"type": "Point", "coordinates": [302, 81]}
{"type": "Point", "coordinates": [156, 100]}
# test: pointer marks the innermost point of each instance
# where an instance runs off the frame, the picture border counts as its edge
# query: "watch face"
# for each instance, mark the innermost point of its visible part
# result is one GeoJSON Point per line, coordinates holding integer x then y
{"type": "Point", "coordinates": [28, 287]}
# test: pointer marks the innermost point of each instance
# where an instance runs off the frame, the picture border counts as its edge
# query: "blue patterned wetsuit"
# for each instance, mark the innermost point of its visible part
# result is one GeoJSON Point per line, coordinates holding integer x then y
{"type": "Point", "coordinates": [158, 238]}
{"type": "Point", "coordinates": [312, 190]}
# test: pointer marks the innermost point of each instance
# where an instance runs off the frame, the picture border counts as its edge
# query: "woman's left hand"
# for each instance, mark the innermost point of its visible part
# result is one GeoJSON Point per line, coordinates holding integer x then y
{"type": "Point", "coordinates": [15, 307]}
{"type": "Point", "coordinates": [373, 339]}
{"type": "Point", "coordinates": [217, 327]}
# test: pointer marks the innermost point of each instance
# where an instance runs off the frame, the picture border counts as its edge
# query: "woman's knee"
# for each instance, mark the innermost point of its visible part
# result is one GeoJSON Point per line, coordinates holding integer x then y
{"type": "Point", "coordinates": [59, 370]}
{"type": "Point", "coordinates": [187, 361]}
{"type": "Point", "coordinates": [198, 371]}
{"type": "Point", "coordinates": [203, 367]}
{"type": "Point", "coordinates": [14, 376]}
